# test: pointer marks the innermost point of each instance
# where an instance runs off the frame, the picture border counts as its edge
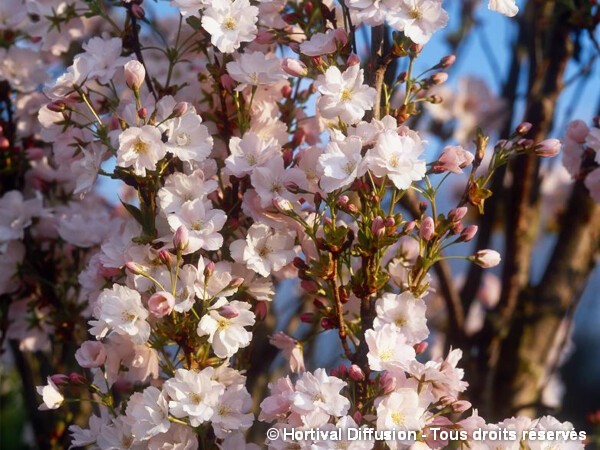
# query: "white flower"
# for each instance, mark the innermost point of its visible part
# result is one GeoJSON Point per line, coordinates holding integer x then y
{"type": "Point", "coordinates": [80, 437]}
{"type": "Point", "coordinates": [225, 330]}
{"type": "Point", "coordinates": [104, 57]}
{"type": "Point", "coordinates": [203, 225]}
{"type": "Point", "coordinates": [419, 19]}
{"type": "Point", "coordinates": [396, 157]}
{"type": "Point", "coordinates": [317, 397]}
{"type": "Point", "coordinates": [189, 139]}
{"type": "Point", "coordinates": [193, 394]}
{"type": "Point", "coordinates": [507, 7]}
{"type": "Point", "coordinates": [292, 350]}
{"type": "Point", "coordinates": [255, 68]}
{"type": "Point", "coordinates": [180, 188]}
{"type": "Point", "coordinates": [230, 22]}
{"type": "Point", "coordinates": [190, 7]}
{"type": "Point", "coordinates": [341, 164]}
{"type": "Point", "coordinates": [120, 309]}
{"type": "Point", "coordinates": [404, 311]}
{"type": "Point", "coordinates": [249, 152]}
{"type": "Point", "coordinates": [264, 250]}
{"type": "Point", "coordinates": [86, 169]}
{"type": "Point", "coordinates": [270, 181]}
{"type": "Point", "coordinates": [232, 412]}
{"type": "Point", "coordinates": [278, 403]}
{"type": "Point", "coordinates": [372, 12]}
{"type": "Point", "coordinates": [16, 215]}
{"type": "Point", "coordinates": [401, 410]}
{"type": "Point", "coordinates": [141, 148]}
{"type": "Point", "coordinates": [148, 413]}
{"type": "Point", "coordinates": [388, 349]}
{"type": "Point", "coordinates": [179, 437]}
{"type": "Point", "coordinates": [320, 44]}
{"type": "Point", "coordinates": [344, 95]}
{"type": "Point", "coordinates": [51, 395]}
{"type": "Point", "coordinates": [91, 354]}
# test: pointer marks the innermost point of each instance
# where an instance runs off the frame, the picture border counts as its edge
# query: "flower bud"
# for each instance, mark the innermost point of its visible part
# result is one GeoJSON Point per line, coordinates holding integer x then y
{"type": "Point", "coordinates": [548, 148]}
{"type": "Point", "coordinates": [294, 67]}
{"type": "Point", "coordinates": [309, 286]}
{"type": "Point", "coordinates": [409, 226]}
{"type": "Point", "coordinates": [166, 258]}
{"type": "Point", "coordinates": [300, 264]}
{"type": "Point", "coordinates": [342, 370]}
{"type": "Point", "coordinates": [378, 227]}
{"type": "Point", "coordinates": [180, 109]}
{"type": "Point", "coordinates": [447, 61]}
{"type": "Point", "coordinates": [427, 229]}
{"type": "Point", "coordinates": [353, 60]}
{"type": "Point", "coordinates": [135, 74]}
{"type": "Point", "coordinates": [77, 378]}
{"type": "Point", "coordinates": [486, 258]}
{"type": "Point", "coordinates": [209, 269]}
{"type": "Point", "coordinates": [137, 11]}
{"type": "Point", "coordinates": [387, 383]}
{"type": "Point", "coordinates": [292, 187]}
{"type": "Point", "coordinates": [286, 91]}
{"type": "Point", "coordinates": [439, 78]}
{"type": "Point", "coordinates": [468, 233]}
{"type": "Point", "coordinates": [161, 304]}
{"type": "Point", "coordinates": [326, 323]}
{"type": "Point", "coordinates": [57, 106]}
{"type": "Point", "coordinates": [260, 311]}
{"type": "Point", "coordinates": [236, 283]}
{"type": "Point", "coordinates": [134, 268]}
{"type": "Point", "coordinates": [457, 214]}
{"type": "Point", "coordinates": [461, 406]}
{"type": "Point", "coordinates": [523, 128]}
{"type": "Point", "coordinates": [228, 311]}
{"type": "Point", "coordinates": [340, 36]}
{"type": "Point", "coordinates": [357, 416]}
{"type": "Point", "coordinates": [356, 373]}
{"type": "Point", "coordinates": [420, 347]}
{"type": "Point", "coordinates": [59, 378]}
{"type": "Point", "coordinates": [181, 238]}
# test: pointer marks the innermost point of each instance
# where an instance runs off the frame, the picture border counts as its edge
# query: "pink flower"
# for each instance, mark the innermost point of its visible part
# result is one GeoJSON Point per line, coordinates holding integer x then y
{"type": "Point", "coordinates": [577, 131]}
{"type": "Point", "coordinates": [161, 304]}
{"type": "Point", "coordinates": [292, 350]}
{"type": "Point", "coordinates": [427, 229]}
{"type": "Point", "coordinates": [454, 159]}
{"type": "Point", "coordinates": [91, 354]}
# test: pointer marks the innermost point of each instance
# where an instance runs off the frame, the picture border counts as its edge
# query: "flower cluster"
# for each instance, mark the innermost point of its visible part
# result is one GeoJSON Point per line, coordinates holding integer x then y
{"type": "Point", "coordinates": [240, 166]}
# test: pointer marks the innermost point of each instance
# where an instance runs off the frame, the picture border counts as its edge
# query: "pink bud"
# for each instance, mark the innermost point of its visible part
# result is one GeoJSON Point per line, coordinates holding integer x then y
{"type": "Point", "coordinates": [235, 283]}
{"type": "Point", "coordinates": [180, 109]}
{"type": "Point", "coordinates": [548, 148]}
{"type": "Point", "coordinates": [456, 215]}
{"type": "Point", "coordinates": [161, 304]}
{"type": "Point", "coordinates": [134, 268]}
{"type": "Point", "coordinates": [134, 74]}
{"type": "Point", "coordinates": [342, 370]}
{"type": "Point", "coordinates": [447, 400]}
{"type": "Point", "coordinates": [427, 229]}
{"type": "Point", "coordinates": [264, 37]}
{"type": "Point", "coordinates": [439, 78]}
{"type": "Point", "coordinates": [461, 406]}
{"type": "Point", "coordinates": [294, 67]}
{"type": "Point", "coordinates": [486, 258]}
{"type": "Point", "coordinates": [356, 373]}
{"type": "Point", "coordinates": [77, 378]}
{"type": "Point", "coordinates": [343, 200]}
{"type": "Point", "coordinates": [91, 354]}
{"type": "Point", "coordinates": [387, 383]}
{"type": "Point", "coordinates": [357, 416]}
{"type": "Point", "coordinates": [292, 187]}
{"type": "Point", "coordinates": [286, 91]}
{"type": "Point", "coordinates": [166, 258]}
{"type": "Point", "coordinates": [59, 378]}
{"type": "Point", "coordinates": [453, 159]}
{"type": "Point", "coordinates": [326, 323]}
{"type": "Point", "coordinates": [109, 272]}
{"type": "Point", "coordinates": [468, 233]}
{"type": "Point", "coordinates": [524, 128]}
{"type": "Point", "coordinates": [420, 347]}
{"type": "Point", "coordinates": [447, 61]}
{"type": "Point", "coordinates": [142, 113]}
{"type": "Point", "coordinates": [228, 311]}
{"type": "Point", "coordinates": [409, 226]}
{"type": "Point", "coordinates": [340, 36]}
{"type": "Point", "coordinates": [227, 82]}
{"type": "Point", "coordinates": [137, 11]}
{"type": "Point", "coordinates": [209, 269]}
{"type": "Point", "coordinates": [181, 238]}
{"type": "Point", "coordinates": [260, 310]}
{"type": "Point", "coordinates": [378, 227]}
{"type": "Point", "coordinates": [353, 60]}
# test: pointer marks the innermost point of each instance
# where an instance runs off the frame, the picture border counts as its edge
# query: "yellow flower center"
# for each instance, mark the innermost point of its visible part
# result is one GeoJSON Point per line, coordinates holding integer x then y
{"type": "Point", "coordinates": [140, 147]}
{"type": "Point", "coordinates": [229, 23]}
{"type": "Point", "coordinates": [346, 95]}
{"type": "Point", "coordinates": [398, 418]}
{"type": "Point", "coordinates": [415, 14]}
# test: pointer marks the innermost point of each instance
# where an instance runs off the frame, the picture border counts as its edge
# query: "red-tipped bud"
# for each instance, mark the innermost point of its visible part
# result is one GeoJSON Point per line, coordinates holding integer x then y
{"type": "Point", "coordinates": [326, 323]}
{"type": "Point", "coordinates": [309, 286]}
{"type": "Point", "coordinates": [142, 113]}
{"type": "Point", "coordinates": [307, 317]}
{"type": "Point", "coordinates": [410, 226]}
{"type": "Point", "coordinates": [137, 11]}
{"type": "Point", "coordinates": [353, 59]}
{"type": "Point", "coordinates": [523, 128]}
{"type": "Point", "coordinates": [447, 61]}
{"type": "Point", "coordinates": [548, 148]}
{"type": "Point", "coordinates": [456, 215]}
{"type": "Point", "coordinates": [356, 373]}
{"type": "Point", "coordinates": [180, 109]}
{"type": "Point", "coordinates": [439, 78]}
{"type": "Point", "coordinates": [228, 311]}
{"type": "Point", "coordinates": [59, 378]}
{"type": "Point", "coordinates": [420, 347]}
{"type": "Point", "coordinates": [166, 258]}
{"type": "Point", "coordinates": [378, 227]}
{"type": "Point", "coordinates": [260, 311]}
{"type": "Point", "coordinates": [134, 268]}
{"type": "Point", "coordinates": [77, 378]}
{"type": "Point", "coordinates": [461, 406]}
